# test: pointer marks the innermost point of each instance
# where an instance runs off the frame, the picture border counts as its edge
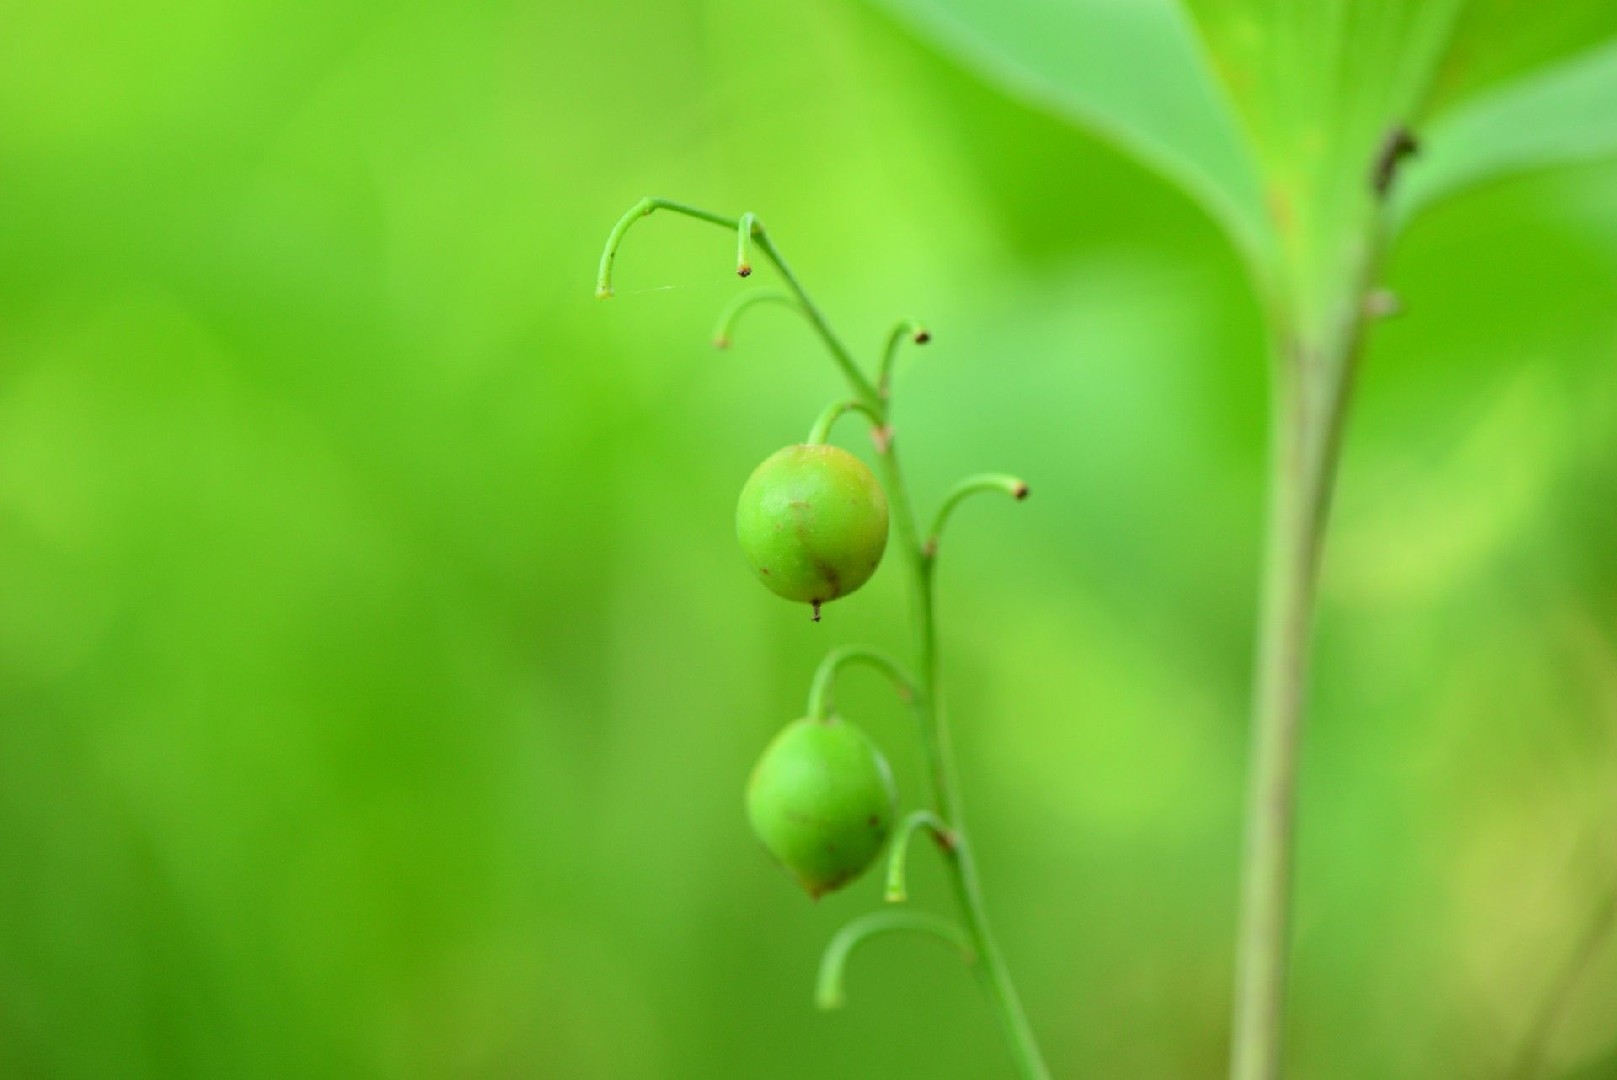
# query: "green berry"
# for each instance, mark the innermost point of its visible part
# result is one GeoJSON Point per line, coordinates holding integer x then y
{"type": "Point", "coordinates": [821, 799]}
{"type": "Point", "coordinates": [812, 521]}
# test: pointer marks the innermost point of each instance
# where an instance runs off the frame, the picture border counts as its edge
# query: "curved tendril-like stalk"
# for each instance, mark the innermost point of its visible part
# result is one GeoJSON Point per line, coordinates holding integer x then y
{"type": "Point", "coordinates": [942, 793]}
{"type": "Point", "coordinates": [898, 852]}
{"type": "Point", "coordinates": [821, 431]}
{"type": "Point", "coordinates": [1014, 486]}
{"type": "Point", "coordinates": [822, 692]}
{"type": "Point", "coordinates": [753, 232]}
{"type": "Point", "coordinates": [724, 328]}
{"type": "Point", "coordinates": [905, 330]}
{"type": "Point", "coordinates": [643, 208]}
{"type": "Point", "coordinates": [828, 987]}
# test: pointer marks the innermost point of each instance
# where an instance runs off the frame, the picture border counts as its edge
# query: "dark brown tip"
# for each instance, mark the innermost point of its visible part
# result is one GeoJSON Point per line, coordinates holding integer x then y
{"type": "Point", "coordinates": [816, 610]}
{"type": "Point", "coordinates": [1019, 492]}
{"type": "Point", "coordinates": [743, 270]}
{"type": "Point", "coordinates": [922, 337]}
{"type": "Point", "coordinates": [1398, 144]}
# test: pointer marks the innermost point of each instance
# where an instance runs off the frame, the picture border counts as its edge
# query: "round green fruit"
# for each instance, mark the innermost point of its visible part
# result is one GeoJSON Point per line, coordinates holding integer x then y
{"type": "Point", "coordinates": [821, 799]}
{"type": "Point", "coordinates": [812, 521]}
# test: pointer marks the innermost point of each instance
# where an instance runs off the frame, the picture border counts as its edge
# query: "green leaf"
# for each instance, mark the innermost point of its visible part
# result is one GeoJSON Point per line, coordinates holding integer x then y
{"type": "Point", "coordinates": [1132, 71]}
{"type": "Point", "coordinates": [1564, 115]}
{"type": "Point", "coordinates": [1497, 41]}
{"type": "Point", "coordinates": [1273, 115]}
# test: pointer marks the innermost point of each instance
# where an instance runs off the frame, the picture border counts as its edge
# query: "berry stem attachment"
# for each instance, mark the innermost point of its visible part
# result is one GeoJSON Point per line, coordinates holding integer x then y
{"type": "Point", "coordinates": [724, 329]}
{"type": "Point", "coordinates": [906, 330]}
{"type": "Point", "coordinates": [821, 431]}
{"type": "Point", "coordinates": [828, 992]}
{"type": "Point", "coordinates": [1013, 486]}
{"type": "Point", "coordinates": [898, 853]}
{"type": "Point", "coordinates": [822, 692]}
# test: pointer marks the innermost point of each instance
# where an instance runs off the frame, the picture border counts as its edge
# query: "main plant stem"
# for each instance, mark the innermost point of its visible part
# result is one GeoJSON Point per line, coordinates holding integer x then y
{"type": "Point", "coordinates": [1313, 373]}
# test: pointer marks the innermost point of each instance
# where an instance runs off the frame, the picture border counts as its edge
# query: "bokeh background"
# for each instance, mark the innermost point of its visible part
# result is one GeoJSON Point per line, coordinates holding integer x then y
{"type": "Point", "coordinates": [379, 676]}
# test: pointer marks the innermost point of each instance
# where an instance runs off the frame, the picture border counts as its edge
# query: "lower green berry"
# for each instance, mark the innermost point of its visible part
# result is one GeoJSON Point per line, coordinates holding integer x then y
{"type": "Point", "coordinates": [822, 800]}
{"type": "Point", "coordinates": [812, 520]}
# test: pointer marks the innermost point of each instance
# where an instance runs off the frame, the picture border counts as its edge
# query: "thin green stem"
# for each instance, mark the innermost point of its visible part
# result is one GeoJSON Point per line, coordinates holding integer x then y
{"type": "Point", "coordinates": [724, 328]}
{"type": "Point", "coordinates": [944, 790]}
{"type": "Point", "coordinates": [828, 987]}
{"type": "Point", "coordinates": [748, 229]}
{"type": "Point", "coordinates": [822, 692]}
{"type": "Point", "coordinates": [643, 208]}
{"type": "Point", "coordinates": [1014, 486]}
{"type": "Point", "coordinates": [899, 849]}
{"type": "Point", "coordinates": [905, 330]}
{"type": "Point", "coordinates": [839, 352]}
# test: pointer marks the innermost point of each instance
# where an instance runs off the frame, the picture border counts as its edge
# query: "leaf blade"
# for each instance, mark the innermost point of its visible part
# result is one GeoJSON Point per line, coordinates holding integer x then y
{"type": "Point", "coordinates": [1566, 114]}
{"type": "Point", "coordinates": [1130, 71]}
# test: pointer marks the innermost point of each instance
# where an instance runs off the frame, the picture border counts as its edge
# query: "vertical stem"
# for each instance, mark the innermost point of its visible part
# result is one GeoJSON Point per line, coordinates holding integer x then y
{"type": "Point", "coordinates": [943, 790]}
{"type": "Point", "coordinates": [1311, 383]}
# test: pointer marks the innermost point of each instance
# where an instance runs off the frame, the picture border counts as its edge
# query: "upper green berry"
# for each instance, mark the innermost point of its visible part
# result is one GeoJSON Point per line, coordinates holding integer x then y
{"type": "Point", "coordinates": [821, 799]}
{"type": "Point", "coordinates": [812, 520]}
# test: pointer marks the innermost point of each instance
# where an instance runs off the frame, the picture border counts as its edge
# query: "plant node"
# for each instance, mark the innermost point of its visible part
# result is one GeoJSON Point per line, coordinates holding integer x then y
{"type": "Point", "coordinates": [1382, 304]}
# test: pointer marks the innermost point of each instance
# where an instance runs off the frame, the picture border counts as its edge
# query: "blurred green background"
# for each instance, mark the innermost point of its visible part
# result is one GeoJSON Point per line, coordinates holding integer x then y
{"type": "Point", "coordinates": [379, 675]}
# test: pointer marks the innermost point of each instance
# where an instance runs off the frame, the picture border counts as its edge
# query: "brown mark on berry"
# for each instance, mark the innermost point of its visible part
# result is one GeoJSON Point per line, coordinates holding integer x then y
{"type": "Point", "coordinates": [829, 575]}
